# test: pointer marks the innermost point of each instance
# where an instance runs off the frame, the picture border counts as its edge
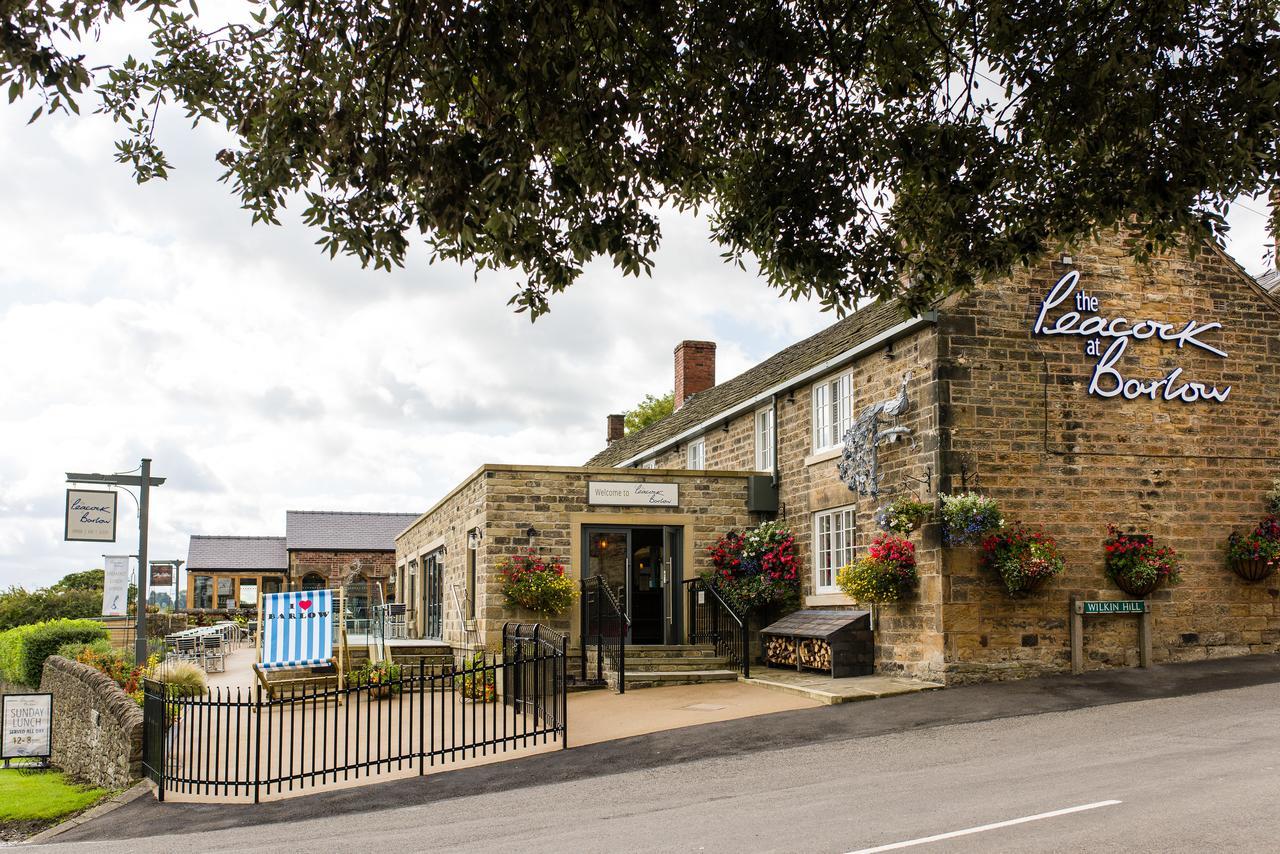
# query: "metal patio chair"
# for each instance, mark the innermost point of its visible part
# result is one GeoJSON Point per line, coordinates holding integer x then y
{"type": "Point", "coordinates": [214, 653]}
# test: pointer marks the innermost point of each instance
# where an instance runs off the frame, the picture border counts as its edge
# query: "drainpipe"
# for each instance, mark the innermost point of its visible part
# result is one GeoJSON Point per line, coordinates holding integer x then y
{"type": "Point", "coordinates": [773, 405]}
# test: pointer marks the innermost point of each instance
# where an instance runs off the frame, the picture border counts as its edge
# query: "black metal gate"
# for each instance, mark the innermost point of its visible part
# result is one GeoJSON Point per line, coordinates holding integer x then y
{"type": "Point", "coordinates": [434, 584]}
{"type": "Point", "coordinates": [243, 744]}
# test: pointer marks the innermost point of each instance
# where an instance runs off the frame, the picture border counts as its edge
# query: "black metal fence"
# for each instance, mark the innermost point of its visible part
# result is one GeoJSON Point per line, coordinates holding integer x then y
{"type": "Point", "coordinates": [246, 743]}
{"type": "Point", "coordinates": [712, 620]}
{"type": "Point", "coordinates": [605, 627]}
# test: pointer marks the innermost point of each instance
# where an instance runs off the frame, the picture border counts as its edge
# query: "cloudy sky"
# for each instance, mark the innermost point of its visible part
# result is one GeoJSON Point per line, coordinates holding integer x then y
{"type": "Point", "coordinates": [260, 376]}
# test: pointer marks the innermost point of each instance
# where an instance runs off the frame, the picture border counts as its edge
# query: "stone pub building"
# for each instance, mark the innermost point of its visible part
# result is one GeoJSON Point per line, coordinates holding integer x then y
{"type": "Point", "coordinates": [1087, 390]}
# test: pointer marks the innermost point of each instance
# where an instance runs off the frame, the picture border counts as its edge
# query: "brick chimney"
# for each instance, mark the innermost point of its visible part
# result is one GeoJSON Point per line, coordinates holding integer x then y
{"type": "Point", "coordinates": [695, 369]}
{"type": "Point", "coordinates": [617, 428]}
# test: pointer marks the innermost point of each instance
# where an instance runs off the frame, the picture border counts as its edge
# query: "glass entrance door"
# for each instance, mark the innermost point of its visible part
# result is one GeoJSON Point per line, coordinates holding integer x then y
{"type": "Point", "coordinates": [640, 566]}
{"type": "Point", "coordinates": [433, 591]}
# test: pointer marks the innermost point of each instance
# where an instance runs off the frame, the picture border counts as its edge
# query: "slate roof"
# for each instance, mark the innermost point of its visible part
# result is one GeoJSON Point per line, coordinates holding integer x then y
{"type": "Point", "coordinates": [326, 530]}
{"type": "Point", "coordinates": [861, 326]}
{"type": "Point", "coordinates": [236, 553]}
{"type": "Point", "coordinates": [1270, 281]}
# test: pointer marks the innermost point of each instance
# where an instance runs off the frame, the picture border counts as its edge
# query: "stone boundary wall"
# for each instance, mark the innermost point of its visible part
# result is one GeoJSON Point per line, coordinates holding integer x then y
{"type": "Point", "coordinates": [103, 748]}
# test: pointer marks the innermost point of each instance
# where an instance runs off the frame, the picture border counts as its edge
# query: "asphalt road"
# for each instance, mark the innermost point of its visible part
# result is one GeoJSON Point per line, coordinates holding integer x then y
{"type": "Point", "coordinates": [1196, 772]}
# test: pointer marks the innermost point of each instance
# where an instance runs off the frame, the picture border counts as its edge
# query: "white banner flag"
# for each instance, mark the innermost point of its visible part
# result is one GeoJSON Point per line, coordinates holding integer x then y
{"type": "Point", "coordinates": [115, 588]}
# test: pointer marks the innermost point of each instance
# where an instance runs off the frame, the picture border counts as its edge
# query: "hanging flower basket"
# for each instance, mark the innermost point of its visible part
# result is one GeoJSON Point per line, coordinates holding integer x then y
{"type": "Point", "coordinates": [1136, 564]}
{"type": "Point", "coordinates": [1253, 569]}
{"type": "Point", "coordinates": [1253, 556]}
{"type": "Point", "coordinates": [886, 574]}
{"type": "Point", "coordinates": [1022, 559]}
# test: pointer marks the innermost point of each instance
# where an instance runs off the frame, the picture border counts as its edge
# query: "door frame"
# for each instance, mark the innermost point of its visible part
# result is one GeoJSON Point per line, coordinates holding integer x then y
{"type": "Point", "coordinates": [672, 569]}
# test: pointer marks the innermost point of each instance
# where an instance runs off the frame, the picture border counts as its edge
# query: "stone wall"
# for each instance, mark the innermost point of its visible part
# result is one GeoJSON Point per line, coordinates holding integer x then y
{"type": "Point", "coordinates": [505, 501]}
{"type": "Point", "coordinates": [1017, 415]}
{"type": "Point", "coordinates": [909, 634]}
{"type": "Point", "coordinates": [97, 727]}
{"type": "Point", "coordinates": [336, 566]}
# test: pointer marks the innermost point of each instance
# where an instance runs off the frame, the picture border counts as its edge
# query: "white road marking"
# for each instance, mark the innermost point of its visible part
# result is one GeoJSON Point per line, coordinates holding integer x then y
{"type": "Point", "coordinates": [924, 840]}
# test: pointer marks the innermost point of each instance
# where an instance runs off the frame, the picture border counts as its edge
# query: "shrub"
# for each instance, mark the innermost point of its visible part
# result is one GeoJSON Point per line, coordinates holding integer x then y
{"type": "Point", "coordinates": [756, 568]}
{"type": "Point", "coordinates": [1023, 559]}
{"type": "Point", "coordinates": [184, 678]}
{"type": "Point", "coordinates": [903, 515]}
{"type": "Point", "coordinates": [24, 649]}
{"type": "Point", "coordinates": [968, 518]}
{"type": "Point", "coordinates": [886, 574]}
{"type": "Point", "coordinates": [536, 583]}
{"type": "Point", "coordinates": [1135, 561]}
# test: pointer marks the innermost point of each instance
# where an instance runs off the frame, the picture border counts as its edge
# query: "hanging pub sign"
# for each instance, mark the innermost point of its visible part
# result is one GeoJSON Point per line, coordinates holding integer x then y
{"type": "Point", "coordinates": [26, 723]}
{"type": "Point", "coordinates": [633, 494]}
{"type": "Point", "coordinates": [1108, 339]}
{"type": "Point", "coordinates": [161, 574]}
{"type": "Point", "coordinates": [91, 516]}
{"type": "Point", "coordinates": [115, 586]}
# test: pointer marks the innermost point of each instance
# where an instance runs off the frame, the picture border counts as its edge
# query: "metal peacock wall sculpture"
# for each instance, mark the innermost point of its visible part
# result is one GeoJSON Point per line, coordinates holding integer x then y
{"type": "Point", "coordinates": [860, 462]}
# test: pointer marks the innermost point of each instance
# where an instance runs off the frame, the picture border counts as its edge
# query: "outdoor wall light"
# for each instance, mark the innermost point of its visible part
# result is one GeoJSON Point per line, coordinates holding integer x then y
{"type": "Point", "coordinates": [531, 533]}
{"type": "Point", "coordinates": [1065, 258]}
{"type": "Point", "coordinates": [888, 352]}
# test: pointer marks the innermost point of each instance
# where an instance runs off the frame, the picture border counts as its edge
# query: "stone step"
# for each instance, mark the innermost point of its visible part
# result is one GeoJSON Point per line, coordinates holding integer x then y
{"type": "Point", "coordinates": [676, 665]}
{"type": "Point", "coordinates": [644, 679]}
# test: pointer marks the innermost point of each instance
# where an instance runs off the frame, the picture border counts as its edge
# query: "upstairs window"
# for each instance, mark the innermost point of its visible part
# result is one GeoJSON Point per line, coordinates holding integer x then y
{"type": "Point", "coordinates": [697, 454]}
{"type": "Point", "coordinates": [832, 411]}
{"type": "Point", "coordinates": [651, 463]}
{"type": "Point", "coordinates": [764, 440]}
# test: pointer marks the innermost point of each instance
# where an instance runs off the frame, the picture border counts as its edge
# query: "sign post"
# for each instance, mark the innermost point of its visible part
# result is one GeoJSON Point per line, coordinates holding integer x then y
{"type": "Point", "coordinates": [1081, 608]}
{"type": "Point", "coordinates": [144, 481]}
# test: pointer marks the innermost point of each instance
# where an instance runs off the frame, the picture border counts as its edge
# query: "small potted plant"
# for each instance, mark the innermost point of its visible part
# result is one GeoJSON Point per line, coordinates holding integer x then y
{"type": "Point", "coordinates": [381, 677]}
{"type": "Point", "coordinates": [536, 583]}
{"type": "Point", "coordinates": [887, 573]}
{"type": "Point", "coordinates": [969, 518]}
{"type": "Point", "coordinates": [1253, 556]}
{"type": "Point", "coordinates": [903, 515]}
{"type": "Point", "coordinates": [477, 684]}
{"type": "Point", "coordinates": [1136, 564]}
{"type": "Point", "coordinates": [1023, 559]}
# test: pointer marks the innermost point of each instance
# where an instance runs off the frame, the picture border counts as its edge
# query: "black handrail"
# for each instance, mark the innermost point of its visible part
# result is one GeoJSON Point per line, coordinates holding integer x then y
{"type": "Point", "coordinates": [713, 620]}
{"type": "Point", "coordinates": [605, 625]}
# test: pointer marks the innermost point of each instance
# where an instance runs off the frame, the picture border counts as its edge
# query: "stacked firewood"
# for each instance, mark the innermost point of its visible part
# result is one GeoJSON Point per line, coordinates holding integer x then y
{"type": "Point", "coordinates": [780, 650]}
{"type": "Point", "coordinates": [815, 653]}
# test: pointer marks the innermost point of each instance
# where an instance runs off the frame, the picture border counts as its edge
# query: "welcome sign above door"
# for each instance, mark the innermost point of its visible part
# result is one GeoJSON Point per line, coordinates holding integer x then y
{"type": "Point", "coordinates": [633, 494]}
{"type": "Point", "coordinates": [1109, 338]}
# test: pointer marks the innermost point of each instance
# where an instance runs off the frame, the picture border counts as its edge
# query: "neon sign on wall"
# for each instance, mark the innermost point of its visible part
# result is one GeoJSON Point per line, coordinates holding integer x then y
{"type": "Point", "coordinates": [1107, 380]}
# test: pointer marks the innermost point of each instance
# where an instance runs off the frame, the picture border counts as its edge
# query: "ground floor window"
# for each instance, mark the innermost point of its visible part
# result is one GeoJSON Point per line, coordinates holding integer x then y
{"type": "Point", "coordinates": [202, 592]}
{"type": "Point", "coordinates": [248, 593]}
{"type": "Point", "coordinates": [226, 593]}
{"type": "Point", "coordinates": [313, 581]}
{"type": "Point", "coordinates": [833, 542]}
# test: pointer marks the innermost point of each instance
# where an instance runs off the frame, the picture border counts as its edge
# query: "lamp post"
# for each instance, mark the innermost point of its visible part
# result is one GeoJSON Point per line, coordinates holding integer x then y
{"type": "Point", "coordinates": [144, 481]}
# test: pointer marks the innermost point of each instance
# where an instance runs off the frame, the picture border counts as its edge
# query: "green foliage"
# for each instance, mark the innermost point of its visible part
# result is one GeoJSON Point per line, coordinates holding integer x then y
{"type": "Point", "coordinates": [1273, 494]}
{"type": "Point", "coordinates": [90, 579]}
{"type": "Point", "coordinates": [478, 682]}
{"type": "Point", "coordinates": [19, 607]}
{"type": "Point", "coordinates": [1023, 559]}
{"type": "Point", "coordinates": [907, 148]}
{"type": "Point", "coordinates": [651, 410]}
{"type": "Point", "coordinates": [968, 517]}
{"type": "Point", "coordinates": [903, 515]}
{"type": "Point", "coordinates": [42, 796]}
{"type": "Point", "coordinates": [24, 649]}
{"type": "Point", "coordinates": [756, 569]}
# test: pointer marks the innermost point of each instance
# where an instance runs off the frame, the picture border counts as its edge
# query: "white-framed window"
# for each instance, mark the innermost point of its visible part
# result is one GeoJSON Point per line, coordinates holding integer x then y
{"type": "Point", "coordinates": [651, 463]}
{"type": "Point", "coordinates": [764, 439]}
{"type": "Point", "coordinates": [832, 411]}
{"type": "Point", "coordinates": [697, 454]}
{"type": "Point", "coordinates": [833, 542]}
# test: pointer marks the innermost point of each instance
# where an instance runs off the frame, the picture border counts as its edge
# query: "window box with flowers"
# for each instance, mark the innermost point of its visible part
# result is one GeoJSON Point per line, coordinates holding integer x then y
{"type": "Point", "coordinates": [1023, 559]}
{"type": "Point", "coordinates": [1136, 564]}
{"type": "Point", "coordinates": [536, 583]}
{"type": "Point", "coordinates": [887, 573]}
{"type": "Point", "coordinates": [756, 569]}
{"type": "Point", "coordinates": [1253, 556]}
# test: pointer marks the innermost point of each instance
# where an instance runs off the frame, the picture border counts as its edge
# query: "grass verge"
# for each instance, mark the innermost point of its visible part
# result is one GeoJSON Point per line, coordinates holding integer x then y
{"type": "Point", "coordinates": [32, 800]}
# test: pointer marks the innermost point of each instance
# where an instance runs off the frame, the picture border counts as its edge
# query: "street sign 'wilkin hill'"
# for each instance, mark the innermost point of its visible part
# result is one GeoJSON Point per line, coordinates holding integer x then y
{"type": "Point", "coordinates": [1120, 606]}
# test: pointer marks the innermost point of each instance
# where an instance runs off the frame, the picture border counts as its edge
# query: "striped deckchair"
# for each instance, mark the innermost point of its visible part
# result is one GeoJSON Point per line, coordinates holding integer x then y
{"type": "Point", "coordinates": [295, 632]}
